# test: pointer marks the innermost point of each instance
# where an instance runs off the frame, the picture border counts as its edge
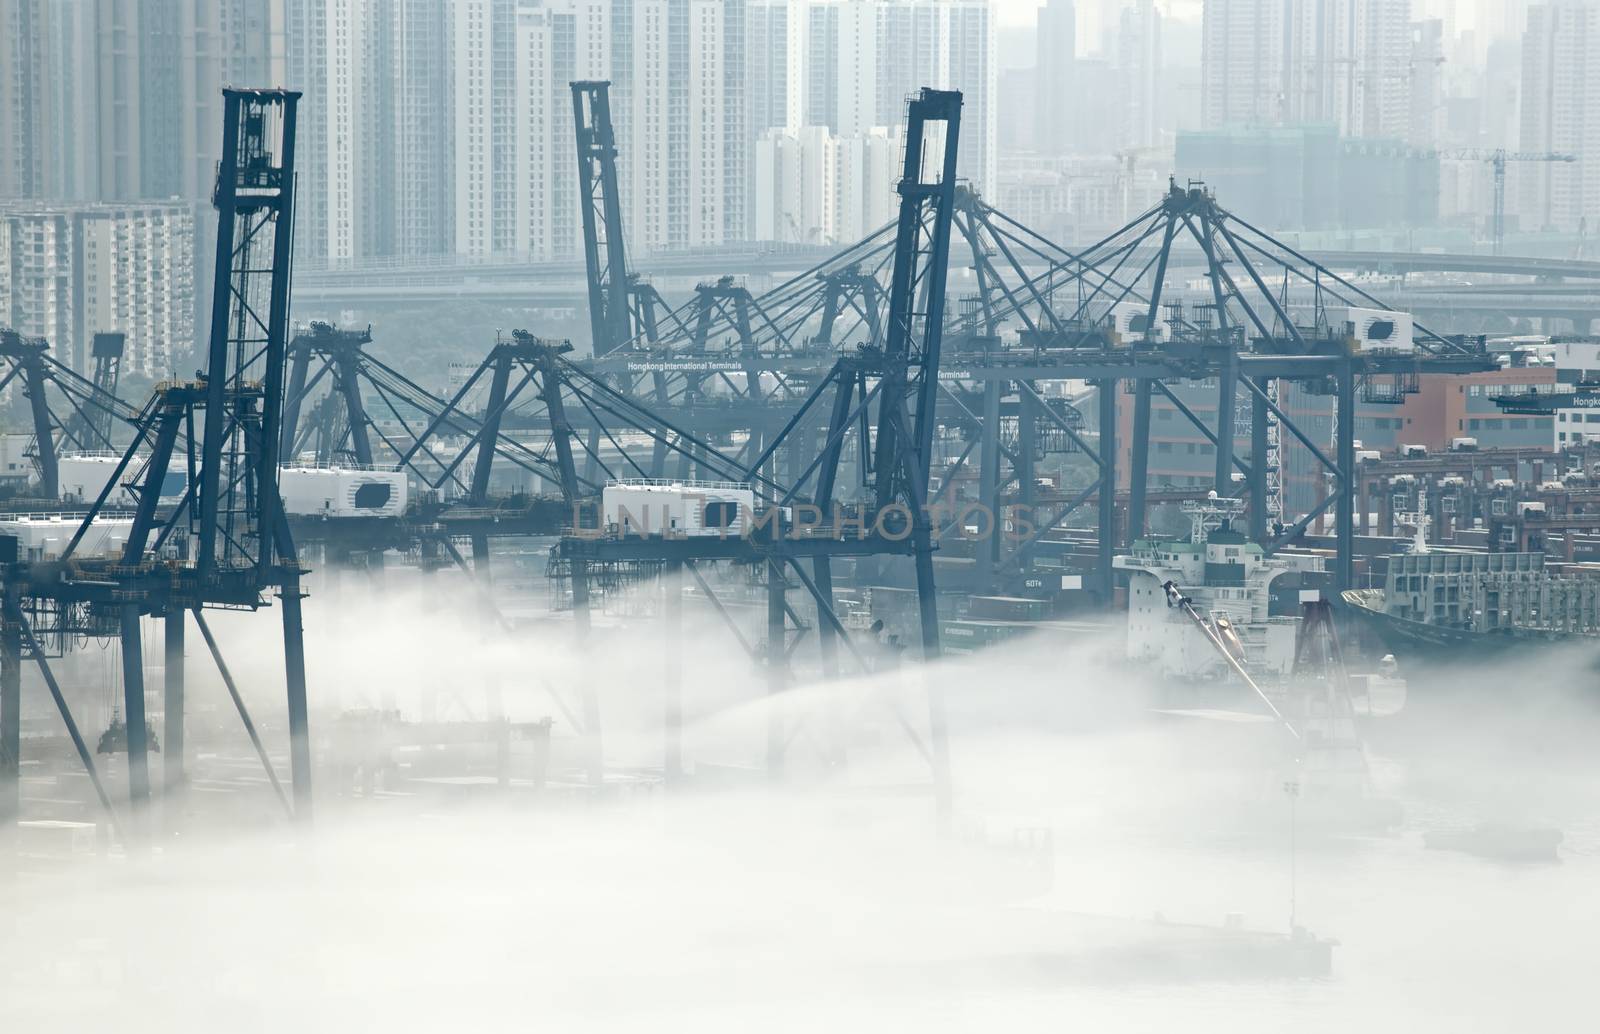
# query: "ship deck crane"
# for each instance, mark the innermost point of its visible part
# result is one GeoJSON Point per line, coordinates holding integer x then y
{"type": "Point", "coordinates": [1229, 652]}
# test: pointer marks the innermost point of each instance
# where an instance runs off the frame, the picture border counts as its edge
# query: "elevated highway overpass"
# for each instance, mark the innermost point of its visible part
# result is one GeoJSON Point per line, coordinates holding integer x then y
{"type": "Point", "coordinates": [1564, 287]}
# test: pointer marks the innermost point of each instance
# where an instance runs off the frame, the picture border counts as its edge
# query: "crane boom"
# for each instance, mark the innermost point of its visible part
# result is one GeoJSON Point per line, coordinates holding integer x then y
{"type": "Point", "coordinates": [1497, 159]}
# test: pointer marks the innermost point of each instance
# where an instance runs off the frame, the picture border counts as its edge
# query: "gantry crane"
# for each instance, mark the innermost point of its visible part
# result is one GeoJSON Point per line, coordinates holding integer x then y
{"type": "Point", "coordinates": [1497, 159]}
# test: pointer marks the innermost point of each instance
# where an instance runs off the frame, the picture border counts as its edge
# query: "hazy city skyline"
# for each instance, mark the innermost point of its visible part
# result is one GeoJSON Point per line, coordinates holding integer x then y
{"type": "Point", "coordinates": [441, 130]}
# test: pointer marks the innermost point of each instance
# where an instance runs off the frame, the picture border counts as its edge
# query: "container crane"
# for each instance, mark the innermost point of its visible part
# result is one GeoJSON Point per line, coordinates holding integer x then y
{"type": "Point", "coordinates": [1497, 159]}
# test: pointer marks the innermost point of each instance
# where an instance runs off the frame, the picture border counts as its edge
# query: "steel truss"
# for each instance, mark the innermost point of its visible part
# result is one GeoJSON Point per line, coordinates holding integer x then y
{"type": "Point", "coordinates": [226, 544]}
{"type": "Point", "coordinates": [880, 399]}
{"type": "Point", "coordinates": [68, 412]}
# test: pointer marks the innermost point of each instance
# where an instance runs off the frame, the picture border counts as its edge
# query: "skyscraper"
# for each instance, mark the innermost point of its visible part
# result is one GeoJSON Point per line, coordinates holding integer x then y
{"type": "Point", "coordinates": [1427, 83]}
{"type": "Point", "coordinates": [556, 43]}
{"type": "Point", "coordinates": [306, 60]}
{"type": "Point", "coordinates": [1139, 71]}
{"type": "Point", "coordinates": [679, 103]}
{"type": "Point", "coordinates": [47, 100]}
{"type": "Point", "coordinates": [1057, 58]}
{"type": "Point", "coordinates": [1347, 62]}
{"type": "Point", "coordinates": [372, 143]}
{"type": "Point", "coordinates": [73, 270]}
{"type": "Point", "coordinates": [1370, 43]}
{"type": "Point", "coordinates": [1244, 61]}
{"type": "Point", "coordinates": [817, 188]}
{"type": "Point", "coordinates": [968, 40]}
{"type": "Point", "coordinates": [865, 57]}
{"type": "Point", "coordinates": [1561, 113]}
{"type": "Point", "coordinates": [775, 32]}
{"type": "Point", "coordinates": [432, 127]}
{"type": "Point", "coordinates": [410, 212]}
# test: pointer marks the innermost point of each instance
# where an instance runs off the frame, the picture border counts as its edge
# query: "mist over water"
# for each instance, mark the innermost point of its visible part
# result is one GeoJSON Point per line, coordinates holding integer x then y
{"type": "Point", "coordinates": [832, 902]}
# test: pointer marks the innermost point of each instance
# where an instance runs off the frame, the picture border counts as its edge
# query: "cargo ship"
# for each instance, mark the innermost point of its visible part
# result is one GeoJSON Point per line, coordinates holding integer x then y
{"type": "Point", "coordinates": [1454, 608]}
{"type": "Point", "coordinates": [1228, 581]}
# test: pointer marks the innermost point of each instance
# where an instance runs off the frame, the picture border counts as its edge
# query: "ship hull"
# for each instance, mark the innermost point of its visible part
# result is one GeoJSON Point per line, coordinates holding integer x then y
{"type": "Point", "coordinates": [1441, 645]}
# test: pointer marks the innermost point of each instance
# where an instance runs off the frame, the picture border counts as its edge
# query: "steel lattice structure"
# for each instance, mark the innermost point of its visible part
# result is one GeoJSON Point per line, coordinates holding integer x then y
{"type": "Point", "coordinates": [227, 543]}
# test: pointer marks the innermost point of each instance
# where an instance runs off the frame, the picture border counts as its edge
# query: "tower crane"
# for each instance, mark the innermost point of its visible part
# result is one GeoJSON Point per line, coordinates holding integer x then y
{"type": "Point", "coordinates": [1127, 166]}
{"type": "Point", "coordinates": [1497, 159]}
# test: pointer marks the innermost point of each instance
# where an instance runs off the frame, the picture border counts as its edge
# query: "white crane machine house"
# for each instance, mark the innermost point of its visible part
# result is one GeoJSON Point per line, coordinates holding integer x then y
{"type": "Point", "coordinates": [676, 508]}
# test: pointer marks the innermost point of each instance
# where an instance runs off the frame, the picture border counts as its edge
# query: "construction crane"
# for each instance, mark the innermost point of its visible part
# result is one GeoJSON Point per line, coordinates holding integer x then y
{"type": "Point", "coordinates": [1497, 159]}
{"type": "Point", "coordinates": [1127, 166]}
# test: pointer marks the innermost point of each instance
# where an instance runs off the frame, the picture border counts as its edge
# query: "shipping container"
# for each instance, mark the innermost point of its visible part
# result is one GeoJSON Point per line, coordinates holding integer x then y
{"type": "Point", "coordinates": [1008, 608]}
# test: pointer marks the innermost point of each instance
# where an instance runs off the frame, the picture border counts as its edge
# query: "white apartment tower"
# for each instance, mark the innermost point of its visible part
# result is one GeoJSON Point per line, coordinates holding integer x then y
{"type": "Point", "coordinates": [373, 135]}
{"type": "Point", "coordinates": [72, 271]}
{"type": "Point", "coordinates": [1561, 114]}
{"type": "Point", "coordinates": [679, 104]}
{"type": "Point", "coordinates": [556, 43]}
{"type": "Point", "coordinates": [48, 121]}
{"type": "Point", "coordinates": [306, 35]}
{"type": "Point", "coordinates": [677, 69]}
{"type": "Point", "coordinates": [813, 187]}
{"type": "Point", "coordinates": [1269, 62]}
{"type": "Point", "coordinates": [136, 268]}
{"type": "Point", "coordinates": [404, 209]}
{"type": "Point", "coordinates": [1244, 70]}
{"type": "Point", "coordinates": [1372, 73]}
{"type": "Point", "coordinates": [472, 99]}
{"type": "Point", "coordinates": [829, 82]}
{"type": "Point", "coordinates": [1056, 59]}
{"type": "Point", "coordinates": [775, 64]}
{"type": "Point", "coordinates": [866, 169]}
{"type": "Point", "coordinates": [864, 58]}
{"type": "Point", "coordinates": [1139, 69]}
{"type": "Point", "coordinates": [346, 143]}
{"type": "Point", "coordinates": [796, 196]}
{"type": "Point", "coordinates": [38, 292]}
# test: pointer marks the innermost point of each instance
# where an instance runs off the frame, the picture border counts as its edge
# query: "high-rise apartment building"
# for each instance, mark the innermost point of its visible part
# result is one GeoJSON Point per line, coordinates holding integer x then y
{"type": "Point", "coordinates": [558, 42]}
{"type": "Point", "coordinates": [969, 36]}
{"type": "Point", "coordinates": [120, 99]}
{"type": "Point", "coordinates": [372, 143]}
{"type": "Point", "coordinates": [38, 296]}
{"type": "Point", "coordinates": [48, 123]}
{"type": "Point", "coordinates": [679, 103]}
{"type": "Point", "coordinates": [677, 69]}
{"type": "Point", "coordinates": [435, 127]}
{"type": "Point", "coordinates": [1139, 75]}
{"type": "Point", "coordinates": [414, 135]}
{"type": "Point", "coordinates": [796, 190]}
{"type": "Point", "coordinates": [1427, 99]}
{"type": "Point", "coordinates": [1561, 114]}
{"type": "Point", "coordinates": [864, 58]}
{"type": "Point", "coordinates": [306, 34]}
{"type": "Point", "coordinates": [814, 187]}
{"type": "Point", "coordinates": [775, 64]}
{"type": "Point", "coordinates": [1372, 72]}
{"type": "Point", "coordinates": [1244, 67]}
{"type": "Point", "coordinates": [136, 267]}
{"type": "Point", "coordinates": [1274, 62]}
{"type": "Point", "coordinates": [1055, 62]}
{"type": "Point", "coordinates": [866, 169]}
{"type": "Point", "coordinates": [68, 272]}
